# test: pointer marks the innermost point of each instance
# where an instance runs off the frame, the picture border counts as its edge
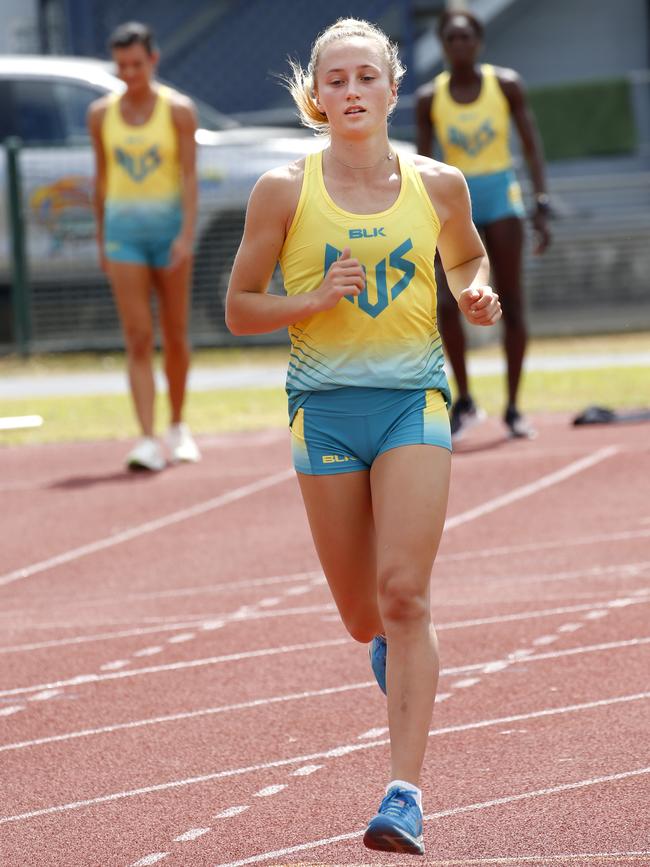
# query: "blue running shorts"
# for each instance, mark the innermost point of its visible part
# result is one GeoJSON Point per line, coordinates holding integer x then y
{"type": "Point", "coordinates": [343, 430]}
{"type": "Point", "coordinates": [495, 197]}
{"type": "Point", "coordinates": [139, 235]}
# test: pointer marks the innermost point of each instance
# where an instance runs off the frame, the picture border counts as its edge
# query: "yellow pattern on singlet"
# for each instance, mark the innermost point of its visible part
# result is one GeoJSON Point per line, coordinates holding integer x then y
{"type": "Point", "coordinates": [387, 337]}
{"type": "Point", "coordinates": [473, 136]}
{"type": "Point", "coordinates": [142, 165]}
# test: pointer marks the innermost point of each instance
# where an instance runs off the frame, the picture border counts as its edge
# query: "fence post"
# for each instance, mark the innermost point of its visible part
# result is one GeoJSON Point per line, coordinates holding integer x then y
{"type": "Point", "coordinates": [20, 282]}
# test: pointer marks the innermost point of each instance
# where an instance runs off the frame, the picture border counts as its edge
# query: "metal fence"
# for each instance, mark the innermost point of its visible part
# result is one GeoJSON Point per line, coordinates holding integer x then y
{"type": "Point", "coordinates": [593, 278]}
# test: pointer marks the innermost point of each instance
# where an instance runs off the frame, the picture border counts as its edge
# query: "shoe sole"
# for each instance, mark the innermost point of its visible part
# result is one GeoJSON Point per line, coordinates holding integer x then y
{"type": "Point", "coordinates": [136, 467]}
{"type": "Point", "coordinates": [384, 837]}
{"type": "Point", "coordinates": [468, 424]}
{"type": "Point", "coordinates": [521, 435]}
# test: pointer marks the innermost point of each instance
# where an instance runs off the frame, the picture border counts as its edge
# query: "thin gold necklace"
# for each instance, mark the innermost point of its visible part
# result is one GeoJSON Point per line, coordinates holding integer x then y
{"type": "Point", "coordinates": [389, 156]}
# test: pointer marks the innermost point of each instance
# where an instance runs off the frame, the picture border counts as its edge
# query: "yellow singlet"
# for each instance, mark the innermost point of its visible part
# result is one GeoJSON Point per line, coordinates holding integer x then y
{"type": "Point", "coordinates": [387, 337]}
{"type": "Point", "coordinates": [473, 136]}
{"type": "Point", "coordinates": [142, 164]}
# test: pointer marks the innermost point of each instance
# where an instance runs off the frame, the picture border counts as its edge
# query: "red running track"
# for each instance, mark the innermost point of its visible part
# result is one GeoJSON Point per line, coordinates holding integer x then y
{"type": "Point", "coordinates": [176, 687]}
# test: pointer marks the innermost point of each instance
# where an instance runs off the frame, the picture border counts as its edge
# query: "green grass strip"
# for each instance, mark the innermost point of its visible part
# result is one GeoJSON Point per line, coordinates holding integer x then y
{"type": "Point", "coordinates": [230, 410]}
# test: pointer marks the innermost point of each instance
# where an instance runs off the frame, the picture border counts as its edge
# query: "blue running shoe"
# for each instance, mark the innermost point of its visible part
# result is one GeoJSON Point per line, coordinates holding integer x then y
{"type": "Point", "coordinates": [377, 651]}
{"type": "Point", "coordinates": [397, 827]}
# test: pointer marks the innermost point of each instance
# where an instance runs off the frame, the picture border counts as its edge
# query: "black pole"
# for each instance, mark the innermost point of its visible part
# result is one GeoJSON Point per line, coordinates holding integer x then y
{"type": "Point", "coordinates": [20, 300]}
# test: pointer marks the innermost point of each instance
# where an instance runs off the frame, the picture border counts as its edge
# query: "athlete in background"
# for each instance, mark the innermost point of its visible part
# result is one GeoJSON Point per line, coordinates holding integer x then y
{"type": "Point", "coordinates": [468, 110]}
{"type": "Point", "coordinates": [145, 208]}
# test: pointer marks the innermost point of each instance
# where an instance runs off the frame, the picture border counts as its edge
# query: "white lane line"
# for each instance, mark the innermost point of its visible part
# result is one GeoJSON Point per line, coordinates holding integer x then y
{"type": "Point", "coordinates": [544, 612]}
{"type": "Point", "coordinates": [12, 709]}
{"type": "Point", "coordinates": [533, 488]}
{"type": "Point", "coordinates": [179, 666]}
{"type": "Point", "coordinates": [487, 553]}
{"type": "Point", "coordinates": [154, 858]}
{"type": "Point", "coordinates": [373, 733]}
{"type": "Point", "coordinates": [270, 602]}
{"type": "Point", "coordinates": [564, 858]}
{"type": "Point", "coordinates": [193, 714]}
{"type": "Point", "coordinates": [147, 527]}
{"type": "Point", "coordinates": [270, 790]}
{"type": "Point", "coordinates": [327, 754]}
{"type": "Point", "coordinates": [211, 625]}
{"type": "Point", "coordinates": [148, 651]}
{"type": "Point", "coordinates": [526, 656]}
{"type": "Point", "coordinates": [642, 598]}
{"type": "Point", "coordinates": [114, 665]}
{"type": "Point", "coordinates": [523, 653]}
{"type": "Point", "coordinates": [544, 640]}
{"type": "Point", "coordinates": [534, 547]}
{"type": "Point", "coordinates": [179, 639]}
{"type": "Point", "coordinates": [590, 858]}
{"type": "Point", "coordinates": [493, 667]}
{"type": "Point", "coordinates": [595, 615]}
{"type": "Point", "coordinates": [192, 834]}
{"type": "Point", "coordinates": [46, 695]}
{"type": "Point", "coordinates": [467, 682]}
{"type": "Point", "coordinates": [570, 627]}
{"type": "Point", "coordinates": [83, 679]}
{"type": "Point", "coordinates": [454, 811]}
{"type": "Point", "coordinates": [618, 572]}
{"type": "Point", "coordinates": [231, 811]}
{"type": "Point", "coordinates": [306, 770]}
{"type": "Point", "coordinates": [207, 589]}
{"type": "Point", "coordinates": [204, 590]}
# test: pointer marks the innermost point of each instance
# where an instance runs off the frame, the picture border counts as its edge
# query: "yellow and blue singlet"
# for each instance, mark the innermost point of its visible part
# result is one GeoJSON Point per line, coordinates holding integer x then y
{"type": "Point", "coordinates": [142, 207]}
{"type": "Point", "coordinates": [475, 138]}
{"type": "Point", "coordinates": [386, 338]}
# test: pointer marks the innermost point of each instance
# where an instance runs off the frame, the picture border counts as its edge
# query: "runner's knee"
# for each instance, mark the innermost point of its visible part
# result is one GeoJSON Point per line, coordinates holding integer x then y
{"type": "Point", "coordinates": [402, 596]}
{"type": "Point", "coordinates": [139, 342]}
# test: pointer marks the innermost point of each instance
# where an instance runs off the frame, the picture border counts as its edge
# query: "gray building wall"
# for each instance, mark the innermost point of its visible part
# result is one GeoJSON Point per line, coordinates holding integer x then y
{"type": "Point", "coordinates": [19, 31]}
{"type": "Point", "coordinates": [550, 41]}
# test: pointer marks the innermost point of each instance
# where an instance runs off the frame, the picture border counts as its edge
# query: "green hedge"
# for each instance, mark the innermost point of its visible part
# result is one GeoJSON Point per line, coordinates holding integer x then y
{"type": "Point", "coordinates": [589, 118]}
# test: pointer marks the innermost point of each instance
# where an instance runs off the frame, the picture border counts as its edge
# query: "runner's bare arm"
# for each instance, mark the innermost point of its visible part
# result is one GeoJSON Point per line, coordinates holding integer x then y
{"type": "Point", "coordinates": [184, 118]}
{"type": "Point", "coordinates": [461, 250]}
{"type": "Point", "coordinates": [249, 308]}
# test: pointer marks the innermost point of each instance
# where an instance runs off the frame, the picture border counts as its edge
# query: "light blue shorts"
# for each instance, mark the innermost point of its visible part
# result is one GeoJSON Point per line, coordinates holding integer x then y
{"type": "Point", "coordinates": [343, 430]}
{"type": "Point", "coordinates": [141, 236]}
{"type": "Point", "coordinates": [495, 197]}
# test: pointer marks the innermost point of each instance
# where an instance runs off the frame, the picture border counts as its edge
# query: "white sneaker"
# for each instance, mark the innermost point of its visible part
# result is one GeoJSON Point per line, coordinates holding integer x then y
{"type": "Point", "coordinates": [464, 416]}
{"type": "Point", "coordinates": [181, 445]}
{"type": "Point", "coordinates": [146, 455]}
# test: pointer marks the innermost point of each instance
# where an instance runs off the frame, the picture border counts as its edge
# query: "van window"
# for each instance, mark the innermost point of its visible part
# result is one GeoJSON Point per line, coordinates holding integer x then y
{"type": "Point", "coordinates": [47, 111]}
{"type": "Point", "coordinates": [73, 100]}
{"type": "Point", "coordinates": [36, 114]}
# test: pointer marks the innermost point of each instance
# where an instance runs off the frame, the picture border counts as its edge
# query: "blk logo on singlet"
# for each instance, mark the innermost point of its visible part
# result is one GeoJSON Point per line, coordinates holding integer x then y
{"type": "Point", "coordinates": [138, 168]}
{"type": "Point", "coordinates": [385, 295]}
{"type": "Point", "coordinates": [474, 143]}
{"type": "Point", "coordinates": [375, 232]}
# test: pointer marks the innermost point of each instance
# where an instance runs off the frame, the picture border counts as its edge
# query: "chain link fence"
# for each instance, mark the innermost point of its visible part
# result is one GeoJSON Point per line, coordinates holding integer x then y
{"type": "Point", "coordinates": [593, 278]}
